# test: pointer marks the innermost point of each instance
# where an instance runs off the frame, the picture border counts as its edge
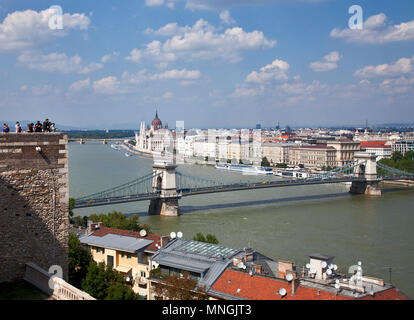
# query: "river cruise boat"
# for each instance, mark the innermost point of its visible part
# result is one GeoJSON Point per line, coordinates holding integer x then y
{"type": "Point", "coordinates": [292, 173]}
{"type": "Point", "coordinates": [244, 168]}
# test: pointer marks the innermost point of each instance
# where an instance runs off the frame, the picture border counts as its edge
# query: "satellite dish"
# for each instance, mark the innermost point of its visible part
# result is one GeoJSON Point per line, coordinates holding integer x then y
{"type": "Point", "coordinates": [312, 270]}
{"type": "Point", "coordinates": [173, 235]}
{"type": "Point", "coordinates": [308, 265]}
{"type": "Point", "coordinates": [244, 267]}
{"type": "Point", "coordinates": [331, 266]}
{"type": "Point", "coordinates": [335, 267]}
{"type": "Point", "coordinates": [323, 264]}
{"type": "Point", "coordinates": [179, 234]}
{"type": "Point", "coordinates": [282, 292]}
{"type": "Point", "coordinates": [289, 277]}
{"type": "Point", "coordinates": [336, 281]}
{"type": "Point", "coordinates": [337, 286]}
{"type": "Point", "coordinates": [359, 263]}
{"type": "Point", "coordinates": [240, 265]}
{"type": "Point", "coordinates": [329, 272]}
{"type": "Point", "coordinates": [143, 233]}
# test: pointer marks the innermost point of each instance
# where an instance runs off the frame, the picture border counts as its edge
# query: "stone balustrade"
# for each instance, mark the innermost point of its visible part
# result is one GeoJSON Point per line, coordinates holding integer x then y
{"type": "Point", "coordinates": [56, 287]}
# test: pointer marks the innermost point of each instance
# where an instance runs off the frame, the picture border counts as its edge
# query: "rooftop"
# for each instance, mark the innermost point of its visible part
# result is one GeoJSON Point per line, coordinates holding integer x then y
{"type": "Point", "coordinates": [210, 260]}
{"type": "Point", "coordinates": [117, 242]}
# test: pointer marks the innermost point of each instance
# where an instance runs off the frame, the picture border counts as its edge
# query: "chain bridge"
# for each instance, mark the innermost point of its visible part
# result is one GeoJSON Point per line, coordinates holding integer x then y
{"type": "Point", "coordinates": [164, 186]}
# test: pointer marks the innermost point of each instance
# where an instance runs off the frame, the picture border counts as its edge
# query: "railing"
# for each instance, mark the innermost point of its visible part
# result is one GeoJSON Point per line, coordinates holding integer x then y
{"type": "Point", "coordinates": [56, 287]}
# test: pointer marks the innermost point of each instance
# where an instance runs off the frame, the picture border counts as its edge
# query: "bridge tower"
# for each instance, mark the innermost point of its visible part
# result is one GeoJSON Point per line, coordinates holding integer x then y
{"type": "Point", "coordinates": [164, 184]}
{"type": "Point", "coordinates": [368, 171]}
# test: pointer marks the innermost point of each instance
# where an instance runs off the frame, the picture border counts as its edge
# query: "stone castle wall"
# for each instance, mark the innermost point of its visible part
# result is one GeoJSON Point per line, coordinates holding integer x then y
{"type": "Point", "coordinates": [34, 202]}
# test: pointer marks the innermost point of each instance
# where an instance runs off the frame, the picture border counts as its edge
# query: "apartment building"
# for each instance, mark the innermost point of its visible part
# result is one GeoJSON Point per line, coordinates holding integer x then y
{"type": "Point", "coordinates": [204, 261]}
{"type": "Point", "coordinates": [403, 146]}
{"type": "Point", "coordinates": [313, 156]}
{"type": "Point", "coordinates": [128, 252]}
{"type": "Point", "coordinates": [345, 150]}
{"type": "Point", "coordinates": [282, 280]}
{"type": "Point", "coordinates": [380, 148]}
{"type": "Point", "coordinates": [277, 152]}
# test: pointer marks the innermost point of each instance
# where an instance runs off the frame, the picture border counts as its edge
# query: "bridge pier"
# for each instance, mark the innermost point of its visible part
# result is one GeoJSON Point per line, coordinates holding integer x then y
{"type": "Point", "coordinates": [164, 183]}
{"type": "Point", "coordinates": [367, 170]}
{"type": "Point", "coordinates": [164, 207]}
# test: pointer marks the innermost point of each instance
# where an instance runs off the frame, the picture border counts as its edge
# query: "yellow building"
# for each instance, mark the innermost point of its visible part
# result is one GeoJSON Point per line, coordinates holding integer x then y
{"type": "Point", "coordinates": [128, 252]}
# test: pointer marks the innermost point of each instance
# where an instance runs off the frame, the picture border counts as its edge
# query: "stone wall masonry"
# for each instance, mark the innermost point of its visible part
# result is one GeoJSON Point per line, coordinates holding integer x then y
{"type": "Point", "coordinates": [34, 202]}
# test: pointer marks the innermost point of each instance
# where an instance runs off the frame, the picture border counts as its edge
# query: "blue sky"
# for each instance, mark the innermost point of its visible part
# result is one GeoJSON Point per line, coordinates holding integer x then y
{"type": "Point", "coordinates": [217, 63]}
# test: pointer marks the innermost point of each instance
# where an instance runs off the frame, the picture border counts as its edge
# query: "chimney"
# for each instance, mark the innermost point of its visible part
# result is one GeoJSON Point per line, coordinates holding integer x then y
{"type": "Point", "coordinates": [163, 240]}
{"type": "Point", "coordinates": [295, 285]}
{"type": "Point", "coordinates": [248, 255]}
{"type": "Point", "coordinates": [258, 268]}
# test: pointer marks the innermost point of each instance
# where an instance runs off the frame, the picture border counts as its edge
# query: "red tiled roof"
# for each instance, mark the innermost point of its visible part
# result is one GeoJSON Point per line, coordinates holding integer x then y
{"type": "Point", "coordinates": [375, 144]}
{"type": "Point", "coordinates": [102, 231]}
{"type": "Point", "coordinates": [257, 287]}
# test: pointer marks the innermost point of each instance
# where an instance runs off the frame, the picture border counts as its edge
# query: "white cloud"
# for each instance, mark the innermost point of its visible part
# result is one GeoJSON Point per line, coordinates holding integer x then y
{"type": "Point", "coordinates": [226, 18]}
{"type": "Point", "coordinates": [274, 71]}
{"type": "Point", "coordinates": [377, 31]}
{"type": "Point", "coordinates": [56, 62]}
{"type": "Point", "coordinates": [135, 55]}
{"type": "Point", "coordinates": [108, 85]}
{"type": "Point", "coordinates": [330, 62]}
{"type": "Point", "coordinates": [174, 74]}
{"type": "Point", "coordinates": [22, 30]}
{"type": "Point", "coordinates": [109, 56]}
{"type": "Point", "coordinates": [202, 41]}
{"type": "Point", "coordinates": [219, 4]}
{"type": "Point", "coordinates": [154, 3]}
{"type": "Point", "coordinates": [400, 67]}
{"type": "Point", "coordinates": [80, 85]}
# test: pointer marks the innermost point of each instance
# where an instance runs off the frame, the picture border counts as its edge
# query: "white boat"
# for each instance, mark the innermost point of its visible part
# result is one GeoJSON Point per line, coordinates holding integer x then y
{"type": "Point", "coordinates": [115, 146]}
{"type": "Point", "coordinates": [127, 154]}
{"type": "Point", "coordinates": [292, 173]}
{"type": "Point", "coordinates": [244, 168]}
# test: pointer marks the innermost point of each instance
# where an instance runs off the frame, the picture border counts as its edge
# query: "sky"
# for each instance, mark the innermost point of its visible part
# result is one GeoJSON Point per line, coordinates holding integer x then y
{"type": "Point", "coordinates": [209, 63]}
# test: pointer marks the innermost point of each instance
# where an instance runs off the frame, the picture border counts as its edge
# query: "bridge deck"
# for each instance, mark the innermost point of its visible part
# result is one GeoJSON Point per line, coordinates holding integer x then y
{"type": "Point", "coordinates": [215, 189]}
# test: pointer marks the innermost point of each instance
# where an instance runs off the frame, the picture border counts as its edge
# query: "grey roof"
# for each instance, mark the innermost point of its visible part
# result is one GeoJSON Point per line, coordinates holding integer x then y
{"type": "Point", "coordinates": [208, 259]}
{"type": "Point", "coordinates": [117, 242]}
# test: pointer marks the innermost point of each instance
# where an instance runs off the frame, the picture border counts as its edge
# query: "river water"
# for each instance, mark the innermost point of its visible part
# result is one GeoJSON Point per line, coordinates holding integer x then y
{"type": "Point", "coordinates": [283, 223]}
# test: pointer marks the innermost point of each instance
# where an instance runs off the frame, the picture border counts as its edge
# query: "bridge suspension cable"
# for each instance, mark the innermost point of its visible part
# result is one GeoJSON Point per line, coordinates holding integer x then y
{"type": "Point", "coordinates": [142, 185]}
{"type": "Point", "coordinates": [389, 172]}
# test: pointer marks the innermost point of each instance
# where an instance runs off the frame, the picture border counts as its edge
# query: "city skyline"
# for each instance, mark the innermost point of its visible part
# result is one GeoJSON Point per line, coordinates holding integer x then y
{"type": "Point", "coordinates": [208, 63]}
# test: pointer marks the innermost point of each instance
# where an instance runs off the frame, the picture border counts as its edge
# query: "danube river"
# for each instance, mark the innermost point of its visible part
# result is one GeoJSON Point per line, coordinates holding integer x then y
{"type": "Point", "coordinates": [282, 223]}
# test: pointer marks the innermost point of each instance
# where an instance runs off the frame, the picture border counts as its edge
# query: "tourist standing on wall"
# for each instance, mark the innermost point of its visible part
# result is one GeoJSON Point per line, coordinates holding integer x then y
{"type": "Point", "coordinates": [46, 126]}
{"type": "Point", "coordinates": [6, 128]}
{"type": "Point", "coordinates": [53, 127]}
{"type": "Point", "coordinates": [18, 127]}
{"type": "Point", "coordinates": [38, 127]}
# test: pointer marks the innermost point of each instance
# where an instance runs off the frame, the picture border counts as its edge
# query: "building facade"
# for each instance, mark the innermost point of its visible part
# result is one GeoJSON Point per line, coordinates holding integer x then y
{"type": "Point", "coordinates": [403, 146]}
{"type": "Point", "coordinates": [127, 252]}
{"type": "Point", "coordinates": [313, 156]}
{"type": "Point", "coordinates": [154, 140]}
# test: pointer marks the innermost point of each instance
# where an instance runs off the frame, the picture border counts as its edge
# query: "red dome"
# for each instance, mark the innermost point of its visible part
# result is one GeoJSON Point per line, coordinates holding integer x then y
{"type": "Point", "coordinates": [156, 123]}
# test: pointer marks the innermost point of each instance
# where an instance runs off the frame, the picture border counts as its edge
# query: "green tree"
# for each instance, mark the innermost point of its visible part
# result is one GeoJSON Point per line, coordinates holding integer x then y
{"type": "Point", "coordinates": [265, 162]}
{"type": "Point", "coordinates": [94, 282]}
{"type": "Point", "coordinates": [209, 238]}
{"type": "Point", "coordinates": [79, 259]}
{"type": "Point", "coordinates": [118, 291]}
{"type": "Point", "coordinates": [177, 287]}
{"type": "Point", "coordinates": [71, 206]}
{"type": "Point", "coordinates": [119, 220]}
{"type": "Point", "coordinates": [105, 283]}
